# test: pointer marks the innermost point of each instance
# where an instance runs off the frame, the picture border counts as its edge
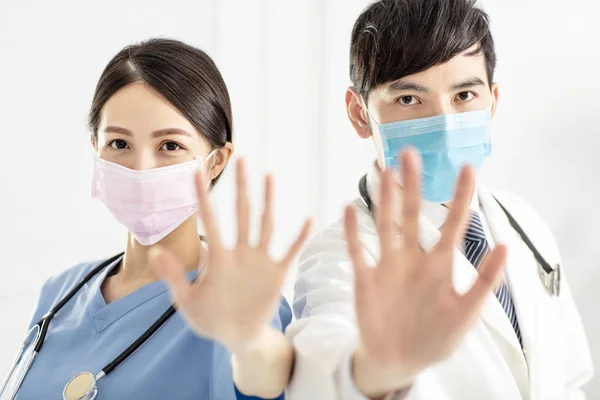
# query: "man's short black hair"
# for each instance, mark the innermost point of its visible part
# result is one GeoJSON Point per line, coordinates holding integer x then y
{"type": "Point", "coordinates": [392, 39]}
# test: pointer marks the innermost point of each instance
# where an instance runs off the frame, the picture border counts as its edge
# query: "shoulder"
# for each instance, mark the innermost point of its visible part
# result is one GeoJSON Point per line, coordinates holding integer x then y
{"type": "Point", "coordinates": [58, 285]}
{"type": "Point", "coordinates": [331, 240]}
{"type": "Point", "coordinates": [325, 260]}
{"type": "Point", "coordinates": [521, 210]}
{"type": "Point", "coordinates": [514, 203]}
{"type": "Point", "coordinates": [530, 221]}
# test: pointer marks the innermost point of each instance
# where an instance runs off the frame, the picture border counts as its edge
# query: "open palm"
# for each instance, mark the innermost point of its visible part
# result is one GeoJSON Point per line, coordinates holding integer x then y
{"type": "Point", "coordinates": [238, 289]}
{"type": "Point", "coordinates": [408, 312]}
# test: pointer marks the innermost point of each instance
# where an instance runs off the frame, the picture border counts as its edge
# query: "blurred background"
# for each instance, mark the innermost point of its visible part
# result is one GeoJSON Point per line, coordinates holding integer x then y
{"type": "Point", "coordinates": [286, 66]}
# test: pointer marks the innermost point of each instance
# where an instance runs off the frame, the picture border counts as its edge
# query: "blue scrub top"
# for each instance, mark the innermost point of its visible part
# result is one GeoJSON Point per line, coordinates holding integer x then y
{"type": "Point", "coordinates": [86, 334]}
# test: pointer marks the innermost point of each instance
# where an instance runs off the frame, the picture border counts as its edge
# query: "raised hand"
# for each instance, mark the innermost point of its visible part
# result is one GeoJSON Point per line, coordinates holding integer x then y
{"type": "Point", "coordinates": [238, 290]}
{"type": "Point", "coordinates": [408, 312]}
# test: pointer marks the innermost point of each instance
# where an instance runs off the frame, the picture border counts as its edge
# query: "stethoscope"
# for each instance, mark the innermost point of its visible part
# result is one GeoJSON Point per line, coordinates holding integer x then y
{"type": "Point", "coordinates": [549, 276]}
{"type": "Point", "coordinates": [82, 386]}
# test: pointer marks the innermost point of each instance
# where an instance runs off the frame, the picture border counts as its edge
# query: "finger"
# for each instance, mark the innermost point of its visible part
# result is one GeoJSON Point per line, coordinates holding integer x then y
{"type": "Point", "coordinates": [168, 268]}
{"type": "Point", "coordinates": [411, 196]}
{"type": "Point", "coordinates": [242, 207]}
{"type": "Point", "coordinates": [458, 216]}
{"type": "Point", "coordinates": [205, 211]}
{"type": "Point", "coordinates": [489, 274]}
{"type": "Point", "coordinates": [266, 229]}
{"type": "Point", "coordinates": [297, 245]}
{"type": "Point", "coordinates": [354, 245]}
{"type": "Point", "coordinates": [386, 224]}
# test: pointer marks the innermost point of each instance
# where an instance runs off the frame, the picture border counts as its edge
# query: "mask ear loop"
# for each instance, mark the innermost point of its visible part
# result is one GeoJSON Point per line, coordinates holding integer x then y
{"type": "Point", "coordinates": [201, 161]}
{"type": "Point", "coordinates": [369, 115]}
{"type": "Point", "coordinates": [209, 155]}
{"type": "Point", "coordinates": [372, 127]}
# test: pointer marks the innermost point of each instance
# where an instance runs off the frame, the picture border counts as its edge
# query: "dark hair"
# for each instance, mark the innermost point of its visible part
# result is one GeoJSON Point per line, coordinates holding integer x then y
{"type": "Point", "coordinates": [392, 39]}
{"type": "Point", "coordinates": [184, 75]}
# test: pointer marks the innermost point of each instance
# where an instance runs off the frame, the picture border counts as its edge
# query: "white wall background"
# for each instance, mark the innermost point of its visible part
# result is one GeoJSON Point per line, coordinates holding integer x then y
{"type": "Point", "coordinates": [286, 65]}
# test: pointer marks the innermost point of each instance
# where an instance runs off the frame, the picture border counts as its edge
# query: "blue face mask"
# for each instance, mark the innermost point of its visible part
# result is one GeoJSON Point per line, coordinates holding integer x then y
{"type": "Point", "coordinates": [446, 142]}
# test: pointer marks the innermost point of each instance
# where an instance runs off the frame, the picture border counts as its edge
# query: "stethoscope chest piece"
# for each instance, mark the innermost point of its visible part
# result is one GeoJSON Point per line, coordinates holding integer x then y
{"type": "Point", "coordinates": [81, 387]}
{"type": "Point", "coordinates": [551, 280]}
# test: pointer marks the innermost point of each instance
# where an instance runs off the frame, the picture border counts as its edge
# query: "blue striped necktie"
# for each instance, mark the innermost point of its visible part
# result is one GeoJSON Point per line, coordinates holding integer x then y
{"type": "Point", "coordinates": [476, 246]}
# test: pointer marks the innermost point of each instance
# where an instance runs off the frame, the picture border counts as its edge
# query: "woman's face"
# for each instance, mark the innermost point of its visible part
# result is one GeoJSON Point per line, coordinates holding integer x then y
{"type": "Point", "coordinates": [139, 130]}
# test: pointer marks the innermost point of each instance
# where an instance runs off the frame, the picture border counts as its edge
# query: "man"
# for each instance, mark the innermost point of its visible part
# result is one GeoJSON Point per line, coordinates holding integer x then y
{"type": "Point", "coordinates": [447, 291]}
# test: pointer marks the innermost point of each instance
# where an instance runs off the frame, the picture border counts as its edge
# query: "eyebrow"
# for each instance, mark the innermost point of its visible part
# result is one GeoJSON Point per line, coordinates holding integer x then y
{"type": "Point", "coordinates": [402, 85]}
{"type": "Point", "coordinates": [171, 131]}
{"type": "Point", "coordinates": [468, 83]}
{"type": "Point", "coordinates": [158, 133]}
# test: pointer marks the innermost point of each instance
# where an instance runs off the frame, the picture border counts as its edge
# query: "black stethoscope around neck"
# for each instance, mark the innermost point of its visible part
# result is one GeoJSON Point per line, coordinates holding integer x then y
{"type": "Point", "coordinates": [549, 276]}
{"type": "Point", "coordinates": [82, 386]}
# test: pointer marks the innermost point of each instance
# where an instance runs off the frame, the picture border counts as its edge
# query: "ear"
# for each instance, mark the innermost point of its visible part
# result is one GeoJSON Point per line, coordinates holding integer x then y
{"type": "Point", "coordinates": [357, 114]}
{"type": "Point", "coordinates": [94, 142]}
{"type": "Point", "coordinates": [494, 98]}
{"type": "Point", "coordinates": [219, 161]}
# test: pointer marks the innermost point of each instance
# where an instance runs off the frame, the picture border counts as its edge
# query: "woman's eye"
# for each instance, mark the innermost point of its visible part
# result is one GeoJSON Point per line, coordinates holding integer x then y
{"type": "Point", "coordinates": [407, 100]}
{"type": "Point", "coordinates": [118, 144]}
{"type": "Point", "coordinates": [170, 146]}
{"type": "Point", "coordinates": [465, 96]}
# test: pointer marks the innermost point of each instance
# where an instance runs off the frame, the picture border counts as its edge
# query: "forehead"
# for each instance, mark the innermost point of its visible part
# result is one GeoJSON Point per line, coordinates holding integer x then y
{"type": "Point", "coordinates": [467, 65]}
{"type": "Point", "coordinates": [139, 108]}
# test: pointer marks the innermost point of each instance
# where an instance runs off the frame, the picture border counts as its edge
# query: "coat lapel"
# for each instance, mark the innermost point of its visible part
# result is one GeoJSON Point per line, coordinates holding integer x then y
{"type": "Point", "coordinates": [493, 316]}
{"type": "Point", "coordinates": [520, 269]}
{"type": "Point", "coordinates": [536, 309]}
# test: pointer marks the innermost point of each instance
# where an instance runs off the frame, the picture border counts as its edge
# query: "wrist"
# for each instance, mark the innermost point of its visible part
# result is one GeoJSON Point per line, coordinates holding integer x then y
{"type": "Point", "coordinates": [376, 378]}
{"type": "Point", "coordinates": [262, 367]}
{"type": "Point", "coordinates": [263, 339]}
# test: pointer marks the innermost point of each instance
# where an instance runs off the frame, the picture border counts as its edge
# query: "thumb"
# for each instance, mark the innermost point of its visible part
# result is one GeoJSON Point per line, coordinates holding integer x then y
{"type": "Point", "coordinates": [168, 268]}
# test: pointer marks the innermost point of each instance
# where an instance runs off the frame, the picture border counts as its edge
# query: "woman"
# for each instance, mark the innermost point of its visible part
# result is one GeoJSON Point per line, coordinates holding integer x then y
{"type": "Point", "coordinates": [162, 133]}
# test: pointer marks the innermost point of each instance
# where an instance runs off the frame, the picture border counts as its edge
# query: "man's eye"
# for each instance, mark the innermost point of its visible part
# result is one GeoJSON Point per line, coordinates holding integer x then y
{"type": "Point", "coordinates": [465, 96]}
{"type": "Point", "coordinates": [407, 100]}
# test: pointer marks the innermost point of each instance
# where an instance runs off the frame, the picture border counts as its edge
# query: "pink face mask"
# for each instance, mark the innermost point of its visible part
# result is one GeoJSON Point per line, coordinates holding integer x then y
{"type": "Point", "coordinates": [149, 203]}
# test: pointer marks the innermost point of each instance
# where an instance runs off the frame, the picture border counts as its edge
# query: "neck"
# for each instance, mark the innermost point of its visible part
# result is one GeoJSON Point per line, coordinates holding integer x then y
{"type": "Point", "coordinates": [184, 242]}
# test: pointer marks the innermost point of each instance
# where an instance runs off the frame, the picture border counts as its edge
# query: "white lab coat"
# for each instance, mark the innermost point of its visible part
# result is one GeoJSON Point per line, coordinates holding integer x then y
{"type": "Point", "coordinates": [489, 363]}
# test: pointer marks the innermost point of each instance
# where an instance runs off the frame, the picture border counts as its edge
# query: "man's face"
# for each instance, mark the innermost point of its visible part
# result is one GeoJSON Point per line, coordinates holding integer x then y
{"type": "Point", "coordinates": [460, 85]}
